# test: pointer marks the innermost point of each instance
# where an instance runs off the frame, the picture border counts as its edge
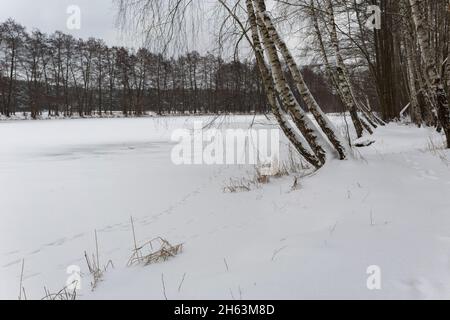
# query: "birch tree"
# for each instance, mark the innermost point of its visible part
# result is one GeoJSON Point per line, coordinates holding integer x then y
{"type": "Point", "coordinates": [323, 121]}
{"type": "Point", "coordinates": [290, 132]}
{"type": "Point", "coordinates": [266, 41]}
{"type": "Point", "coordinates": [409, 45]}
{"type": "Point", "coordinates": [300, 118]}
{"type": "Point", "coordinates": [342, 77]}
{"type": "Point", "coordinates": [433, 68]}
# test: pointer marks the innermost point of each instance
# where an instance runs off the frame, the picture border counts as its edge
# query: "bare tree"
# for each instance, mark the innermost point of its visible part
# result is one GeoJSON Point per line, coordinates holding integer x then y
{"type": "Point", "coordinates": [433, 67]}
{"type": "Point", "coordinates": [265, 41]}
{"type": "Point", "coordinates": [13, 38]}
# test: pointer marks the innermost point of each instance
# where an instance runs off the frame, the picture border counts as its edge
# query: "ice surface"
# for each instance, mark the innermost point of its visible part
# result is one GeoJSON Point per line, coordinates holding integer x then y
{"type": "Point", "coordinates": [62, 179]}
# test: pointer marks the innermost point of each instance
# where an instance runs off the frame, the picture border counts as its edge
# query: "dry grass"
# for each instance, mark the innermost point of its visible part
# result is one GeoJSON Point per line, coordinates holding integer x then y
{"type": "Point", "coordinates": [294, 166]}
{"type": "Point", "coordinates": [239, 185]}
{"type": "Point", "coordinates": [295, 185]}
{"type": "Point", "coordinates": [22, 293]}
{"type": "Point", "coordinates": [155, 251]}
{"type": "Point", "coordinates": [438, 151]}
{"type": "Point", "coordinates": [95, 270]}
{"type": "Point", "coordinates": [253, 182]}
{"type": "Point", "coordinates": [93, 264]}
{"type": "Point", "coordinates": [63, 295]}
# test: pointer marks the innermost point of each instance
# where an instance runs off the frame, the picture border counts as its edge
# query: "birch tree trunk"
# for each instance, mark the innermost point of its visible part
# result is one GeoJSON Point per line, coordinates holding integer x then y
{"type": "Point", "coordinates": [342, 77]}
{"type": "Point", "coordinates": [323, 52]}
{"type": "Point", "coordinates": [301, 119]}
{"type": "Point", "coordinates": [448, 69]}
{"type": "Point", "coordinates": [408, 42]}
{"type": "Point", "coordinates": [447, 72]}
{"type": "Point", "coordinates": [428, 109]}
{"type": "Point", "coordinates": [368, 116]}
{"type": "Point", "coordinates": [368, 108]}
{"type": "Point", "coordinates": [323, 121]}
{"type": "Point", "coordinates": [297, 140]}
{"type": "Point", "coordinates": [333, 75]}
{"type": "Point", "coordinates": [432, 67]}
{"type": "Point", "coordinates": [416, 115]}
{"type": "Point", "coordinates": [420, 113]}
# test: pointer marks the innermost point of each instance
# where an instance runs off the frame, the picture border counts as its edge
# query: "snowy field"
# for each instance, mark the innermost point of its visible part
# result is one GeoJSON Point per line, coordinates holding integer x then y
{"type": "Point", "coordinates": [61, 180]}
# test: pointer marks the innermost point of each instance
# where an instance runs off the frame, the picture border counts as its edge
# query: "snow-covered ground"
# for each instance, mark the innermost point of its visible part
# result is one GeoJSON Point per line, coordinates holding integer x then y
{"type": "Point", "coordinates": [61, 180]}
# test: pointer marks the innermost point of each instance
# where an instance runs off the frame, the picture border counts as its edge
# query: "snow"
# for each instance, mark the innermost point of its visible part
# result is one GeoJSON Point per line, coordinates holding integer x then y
{"type": "Point", "coordinates": [61, 180]}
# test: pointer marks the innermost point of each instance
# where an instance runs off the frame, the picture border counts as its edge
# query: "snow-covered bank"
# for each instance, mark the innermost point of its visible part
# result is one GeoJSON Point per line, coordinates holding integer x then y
{"type": "Point", "coordinates": [26, 116]}
{"type": "Point", "coordinates": [61, 180]}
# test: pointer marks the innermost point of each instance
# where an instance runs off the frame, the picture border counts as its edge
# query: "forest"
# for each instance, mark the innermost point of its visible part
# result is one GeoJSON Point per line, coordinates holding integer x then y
{"type": "Point", "coordinates": [65, 76]}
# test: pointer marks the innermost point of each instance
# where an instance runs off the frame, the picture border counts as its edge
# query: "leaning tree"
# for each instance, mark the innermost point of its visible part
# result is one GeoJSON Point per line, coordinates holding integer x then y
{"type": "Point", "coordinates": [410, 62]}
{"type": "Point", "coordinates": [162, 20]}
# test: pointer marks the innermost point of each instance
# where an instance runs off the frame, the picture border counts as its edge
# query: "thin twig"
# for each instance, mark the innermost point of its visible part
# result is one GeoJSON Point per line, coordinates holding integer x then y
{"type": "Point", "coordinates": [226, 264]}
{"type": "Point", "coordinates": [277, 252]}
{"type": "Point", "coordinates": [232, 295]}
{"type": "Point", "coordinates": [164, 286]}
{"type": "Point", "coordinates": [181, 284]}
{"type": "Point", "coordinates": [96, 248]}
{"type": "Point", "coordinates": [24, 294]}
{"type": "Point", "coordinates": [134, 234]}
{"type": "Point", "coordinates": [21, 280]}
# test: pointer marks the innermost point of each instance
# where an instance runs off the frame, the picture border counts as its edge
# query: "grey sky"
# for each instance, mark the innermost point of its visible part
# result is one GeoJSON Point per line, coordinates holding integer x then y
{"type": "Point", "coordinates": [97, 20]}
{"type": "Point", "coordinates": [97, 17]}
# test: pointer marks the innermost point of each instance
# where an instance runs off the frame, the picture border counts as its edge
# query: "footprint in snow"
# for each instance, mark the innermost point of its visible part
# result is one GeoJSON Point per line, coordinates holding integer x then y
{"type": "Point", "coordinates": [34, 275]}
{"type": "Point", "coordinates": [12, 253]}
{"type": "Point", "coordinates": [78, 236]}
{"type": "Point", "coordinates": [34, 252]}
{"type": "Point", "coordinates": [57, 243]}
{"type": "Point", "coordinates": [13, 263]}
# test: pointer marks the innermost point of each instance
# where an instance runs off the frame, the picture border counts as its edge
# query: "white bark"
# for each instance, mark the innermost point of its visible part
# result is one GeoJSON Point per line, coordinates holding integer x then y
{"type": "Point", "coordinates": [448, 71]}
{"type": "Point", "coordinates": [432, 68]}
{"type": "Point", "coordinates": [416, 115]}
{"type": "Point", "coordinates": [296, 139]}
{"type": "Point", "coordinates": [342, 77]}
{"type": "Point", "coordinates": [325, 124]}
{"type": "Point", "coordinates": [301, 119]}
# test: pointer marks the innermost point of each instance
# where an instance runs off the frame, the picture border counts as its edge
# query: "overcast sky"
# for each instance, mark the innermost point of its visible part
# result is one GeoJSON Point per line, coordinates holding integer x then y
{"type": "Point", "coordinates": [97, 17]}
{"type": "Point", "coordinates": [97, 20]}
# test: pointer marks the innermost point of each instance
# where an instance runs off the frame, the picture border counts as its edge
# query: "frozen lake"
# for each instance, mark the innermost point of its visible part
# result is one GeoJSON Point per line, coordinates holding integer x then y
{"type": "Point", "coordinates": [61, 180]}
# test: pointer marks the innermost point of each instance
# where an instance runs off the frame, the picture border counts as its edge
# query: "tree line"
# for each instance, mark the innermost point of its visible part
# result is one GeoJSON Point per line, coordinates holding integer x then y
{"type": "Point", "coordinates": [66, 76]}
